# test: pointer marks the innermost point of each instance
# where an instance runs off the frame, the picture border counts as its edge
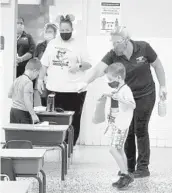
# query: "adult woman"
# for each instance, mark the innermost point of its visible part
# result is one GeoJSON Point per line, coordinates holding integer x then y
{"type": "Point", "coordinates": [50, 31]}
{"type": "Point", "coordinates": [137, 57]}
{"type": "Point", "coordinates": [25, 47]}
{"type": "Point", "coordinates": [65, 63]}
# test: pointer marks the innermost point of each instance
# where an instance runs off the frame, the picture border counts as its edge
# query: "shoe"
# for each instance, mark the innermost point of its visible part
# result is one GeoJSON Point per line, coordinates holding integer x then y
{"type": "Point", "coordinates": [125, 180]}
{"type": "Point", "coordinates": [115, 184]}
{"type": "Point", "coordinates": [141, 173]}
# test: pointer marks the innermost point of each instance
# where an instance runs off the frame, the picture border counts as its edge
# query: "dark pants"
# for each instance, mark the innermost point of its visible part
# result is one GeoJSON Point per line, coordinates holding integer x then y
{"type": "Point", "coordinates": [72, 102]}
{"type": "Point", "coordinates": [139, 127]}
{"type": "Point", "coordinates": [20, 117]}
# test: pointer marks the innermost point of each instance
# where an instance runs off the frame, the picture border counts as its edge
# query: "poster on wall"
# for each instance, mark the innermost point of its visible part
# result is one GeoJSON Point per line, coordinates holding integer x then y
{"type": "Point", "coordinates": [109, 16]}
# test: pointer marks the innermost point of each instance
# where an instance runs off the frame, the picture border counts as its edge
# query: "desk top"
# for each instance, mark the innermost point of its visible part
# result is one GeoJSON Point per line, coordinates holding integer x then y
{"type": "Point", "coordinates": [22, 153]}
{"type": "Point", "coordinates": [31, 127]}
{"type": "Point", "coordinates": [65, 113]}
{"type": "Point", "coordinates": [14, 186]}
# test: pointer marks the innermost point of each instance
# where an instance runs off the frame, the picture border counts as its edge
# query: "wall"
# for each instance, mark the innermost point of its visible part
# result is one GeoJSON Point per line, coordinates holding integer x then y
{"type": "Point", "coordinates": [7, 58]}
{"type": "Point", "coordinates": [35, 17]}
{"type": "Point", "coordinates": [143, 18]}
{"type": "Point", "coordinates": [146, 20]}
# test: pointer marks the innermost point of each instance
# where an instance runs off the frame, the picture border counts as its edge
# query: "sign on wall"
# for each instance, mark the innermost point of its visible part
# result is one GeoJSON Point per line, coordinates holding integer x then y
{"type": "Point", "coordinates": [109, 16]}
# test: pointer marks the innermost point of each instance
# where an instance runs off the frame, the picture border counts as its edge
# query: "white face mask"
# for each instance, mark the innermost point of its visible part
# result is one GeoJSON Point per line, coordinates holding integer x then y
{"type": "Point", "coordinates": [48, 36]}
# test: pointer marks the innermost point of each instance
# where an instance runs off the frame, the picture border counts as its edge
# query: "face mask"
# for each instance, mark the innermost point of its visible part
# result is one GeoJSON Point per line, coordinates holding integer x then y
{"type": "Point", "coordinates": [113, 84]}
{"type": "Point", "coordinates": [66, 36]}
{"type": "Point", "coordinates": [48, 36]}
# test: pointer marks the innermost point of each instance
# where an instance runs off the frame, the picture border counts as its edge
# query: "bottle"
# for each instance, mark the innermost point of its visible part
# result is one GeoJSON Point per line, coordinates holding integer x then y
{"type": "Point", "coordinates": [50, 102]}
{"type": "Point", "coordinates": [162, 108]}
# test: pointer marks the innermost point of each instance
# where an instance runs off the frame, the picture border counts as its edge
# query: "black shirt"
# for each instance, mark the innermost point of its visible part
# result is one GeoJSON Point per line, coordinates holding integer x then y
{"type": "Point", "coordinates": [40, 49]}
{"type": "Point", "coordinates": [138, 72]}
{"type": "Point", "coordinates": [25, 44]}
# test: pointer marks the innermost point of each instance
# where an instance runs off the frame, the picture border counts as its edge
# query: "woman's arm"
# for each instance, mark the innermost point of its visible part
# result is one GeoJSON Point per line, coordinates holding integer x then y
{"type": "Point", "coordinates": [160, 74]}
{"type": "Point", "coordinates": [95, 72]}
{"type": "Point", "coordinates": [10, 93]}
{"type": "Point", "coordinates": [159, 70]}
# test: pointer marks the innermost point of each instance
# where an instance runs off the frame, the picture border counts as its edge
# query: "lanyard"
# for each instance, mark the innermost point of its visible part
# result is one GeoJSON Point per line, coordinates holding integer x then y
{"type": "Point", "coordinates": [119, 88]}
{"type": "Point", "coordinates": [27, 76]}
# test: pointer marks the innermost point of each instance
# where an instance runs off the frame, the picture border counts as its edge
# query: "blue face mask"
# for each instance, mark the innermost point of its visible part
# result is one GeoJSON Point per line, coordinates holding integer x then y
{"type": "Point", "coordinates": [113, 84]}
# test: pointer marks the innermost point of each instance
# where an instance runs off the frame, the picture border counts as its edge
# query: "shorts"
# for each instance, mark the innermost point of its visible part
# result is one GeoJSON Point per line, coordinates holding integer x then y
{"type": "Point", "coordinates": [116, 135]}
{"type": "Point", "coordinates": [118, 138]}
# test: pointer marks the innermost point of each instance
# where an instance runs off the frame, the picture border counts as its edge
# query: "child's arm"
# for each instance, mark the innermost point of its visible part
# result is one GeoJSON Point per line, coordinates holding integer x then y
{"type": "Point", "coordinates": [126, 98]}
{"type": "Point", "coordinates": [28, 100]}
{"type": "Point", "coordinates": [10, 93]}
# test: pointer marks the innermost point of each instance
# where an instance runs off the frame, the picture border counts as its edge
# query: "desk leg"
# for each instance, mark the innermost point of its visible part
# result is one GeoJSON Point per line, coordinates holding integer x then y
{"type": "Point", "coordinates": [72, 131]}
{"type": "Point", "coordinates": [66, 161]}
{"type": "Point", "coordinates": [63, 162]}
{"type": "Point", "coordinates": [44, 180]}
{"type": "Point", "coordinates": [40, 184]}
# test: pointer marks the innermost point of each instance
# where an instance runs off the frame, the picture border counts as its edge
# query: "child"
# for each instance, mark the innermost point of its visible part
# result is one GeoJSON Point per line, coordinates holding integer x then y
{"type": "Point", "coordinates": [121, 113]}
{"type": "Point", "coordinates": [21, 92]}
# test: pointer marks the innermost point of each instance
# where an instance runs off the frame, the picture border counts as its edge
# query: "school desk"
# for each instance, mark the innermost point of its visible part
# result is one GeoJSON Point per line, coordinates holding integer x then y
{"type": "Point", "coordinates": [61, 118]}
{"type": "Point", "coordinates": [50, 136]}
{"type": "Point", "coordinates": [27, 163]}
{"type": "Point", "coordinates": [14, 187]}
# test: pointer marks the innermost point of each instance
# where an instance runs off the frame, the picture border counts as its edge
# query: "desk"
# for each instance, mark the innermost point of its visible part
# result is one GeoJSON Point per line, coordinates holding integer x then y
{"type": "Point", "coordinates": [27, 163]}
{"type": "Point", "coordinates": [61, 118]}
{"type": "Point", "coordinates": [52, 135]}
{"type": "Point", "coordinates": [14, 187]}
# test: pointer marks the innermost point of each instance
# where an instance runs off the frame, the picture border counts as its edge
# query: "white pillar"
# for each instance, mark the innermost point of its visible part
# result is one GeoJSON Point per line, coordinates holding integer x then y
{"type": "Point", "coordinates": [7, 58]}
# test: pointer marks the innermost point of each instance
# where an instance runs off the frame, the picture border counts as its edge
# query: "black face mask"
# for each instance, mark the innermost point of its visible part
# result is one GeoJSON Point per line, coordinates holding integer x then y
{"type": "Point", "coordinates": [113, 84]}
{"type": "Point", "coordinates": [66, 36]}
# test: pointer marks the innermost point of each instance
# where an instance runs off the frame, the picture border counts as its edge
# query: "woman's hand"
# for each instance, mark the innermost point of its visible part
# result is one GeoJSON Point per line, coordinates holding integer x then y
{"type": "Point", "coordinates": [74, 69]}
{"type": "Point", "coordinates": [163, 93]}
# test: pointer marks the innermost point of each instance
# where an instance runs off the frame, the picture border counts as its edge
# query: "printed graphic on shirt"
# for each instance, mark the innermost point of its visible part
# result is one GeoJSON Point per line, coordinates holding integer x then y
{"type": "Point", "coordinates": [141, 59]}
{"type": "Point", "coordinates": [61, 57]}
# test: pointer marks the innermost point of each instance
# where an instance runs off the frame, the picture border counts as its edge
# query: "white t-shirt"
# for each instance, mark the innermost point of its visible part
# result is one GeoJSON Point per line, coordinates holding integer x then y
{"type": "Point", "coordinates": [59, 57]}
{"type": "Point", "coordinates": [125, 112]}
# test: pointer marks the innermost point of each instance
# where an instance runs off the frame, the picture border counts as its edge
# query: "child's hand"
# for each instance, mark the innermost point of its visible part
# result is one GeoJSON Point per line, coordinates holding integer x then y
{"type": "Point", "coordinates": [35, 119]}
{"type": "Point", "coordinates": [115, 96]}
{"type": "Point", "coordinates": [106, 95]}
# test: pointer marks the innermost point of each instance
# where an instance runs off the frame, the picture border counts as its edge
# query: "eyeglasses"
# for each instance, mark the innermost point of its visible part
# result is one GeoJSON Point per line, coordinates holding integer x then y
{"type": "Point", "coordinates": [118, 41]}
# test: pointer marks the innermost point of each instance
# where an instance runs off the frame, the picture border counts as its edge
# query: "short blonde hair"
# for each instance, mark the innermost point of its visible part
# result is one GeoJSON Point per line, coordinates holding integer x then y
{"type": "Point", "coordinates": [117, 69]}
{"type": "Point", "coordinates": [33, 64]}
{"type": "Point", "coordinates": [120, 31]}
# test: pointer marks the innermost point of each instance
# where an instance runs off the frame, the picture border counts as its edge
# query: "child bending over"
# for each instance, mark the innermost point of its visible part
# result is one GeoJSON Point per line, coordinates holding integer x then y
{"type": "Point", "coordinates": [21, 92]}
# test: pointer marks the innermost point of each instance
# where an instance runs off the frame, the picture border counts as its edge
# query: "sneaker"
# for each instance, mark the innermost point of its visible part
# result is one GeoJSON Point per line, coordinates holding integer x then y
{"type": "Point", "coordinates": [126, 179]}
{"type": "Point", "coordinates": [115, 184]}
{"type": "Point", "coordinates": [141, 173]}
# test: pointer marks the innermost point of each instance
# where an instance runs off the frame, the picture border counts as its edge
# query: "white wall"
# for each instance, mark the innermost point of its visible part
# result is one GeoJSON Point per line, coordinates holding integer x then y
{"type": "Point", "coordinates": [7, 58]}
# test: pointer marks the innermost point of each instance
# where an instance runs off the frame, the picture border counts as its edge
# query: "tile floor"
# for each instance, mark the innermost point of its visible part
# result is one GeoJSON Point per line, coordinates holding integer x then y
{"type": "Point", "coordinates": [93, 170]}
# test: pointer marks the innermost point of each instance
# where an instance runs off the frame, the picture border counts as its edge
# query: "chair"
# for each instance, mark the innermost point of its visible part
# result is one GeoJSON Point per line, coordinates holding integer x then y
{"type": "Point", "coordinates": [7, 169]}
{"type": "Point", "coordinates": [18, 144]}
{"type": "Point", "coordinates": [25, 144]}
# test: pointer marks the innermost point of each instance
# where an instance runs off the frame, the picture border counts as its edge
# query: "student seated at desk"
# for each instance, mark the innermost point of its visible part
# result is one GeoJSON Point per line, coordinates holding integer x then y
{"type": "Point", "coordinates": [21, 92]}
